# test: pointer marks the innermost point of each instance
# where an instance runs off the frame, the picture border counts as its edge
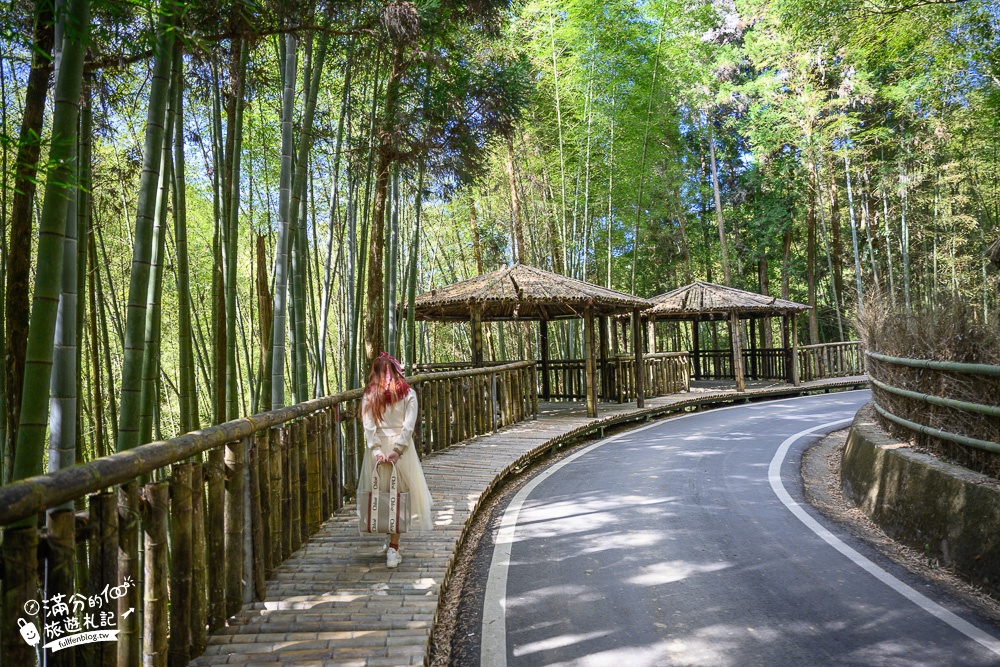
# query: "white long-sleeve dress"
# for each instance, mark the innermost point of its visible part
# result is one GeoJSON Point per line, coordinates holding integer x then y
{"type": "Point", "coordinates": [396, 431]}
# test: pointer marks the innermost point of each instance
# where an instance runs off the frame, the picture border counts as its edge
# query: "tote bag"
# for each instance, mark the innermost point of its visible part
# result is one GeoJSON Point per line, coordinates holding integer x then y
{"type": "Point", "coordinates": [384, 510]}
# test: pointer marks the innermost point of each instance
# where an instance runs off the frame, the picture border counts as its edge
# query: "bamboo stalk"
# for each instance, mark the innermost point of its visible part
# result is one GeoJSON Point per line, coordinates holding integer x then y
{"type": "Point", "coordinates": [234, 526]}
{"type": "Point", "coordinates": [154, 635]}
{"type": "Point", "coordinates": [103, 562]}
{"type": "Point", "coordinates": [313, 508]}
{"type": "Point", "coordinates": [289, 500]}
{"type": "Point", "coordinates": [338, 498]}
{"type": "Point", "coordinates": [257, 518]}
{"type": "Point", "coordinates": [60, 565]}
{"type": "Point", "coordinates": [20, 584]}
{"type": "Point", "coordinates": [199, 579]}
{"type": "Point", "coordinates": [216, 527]}
{"type": "Point", "coordinates": [325, 467]}
{"type": "Point", "coordinates": [262, 446]}
{"type": "Point", "coordinates": [447, 409]}
{"type": "Point", "coordinates": [128, 570]}
{"type": "Point", "coordinates": [275, 444]}
{"type": "Point", "coordinates": [181, 512]}
{"type": "Point", "coordinates": [301, 479]}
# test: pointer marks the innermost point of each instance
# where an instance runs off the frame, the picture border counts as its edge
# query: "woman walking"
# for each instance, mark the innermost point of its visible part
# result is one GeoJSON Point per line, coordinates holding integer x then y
{"type": "Point", "coordinates": [389, 414]}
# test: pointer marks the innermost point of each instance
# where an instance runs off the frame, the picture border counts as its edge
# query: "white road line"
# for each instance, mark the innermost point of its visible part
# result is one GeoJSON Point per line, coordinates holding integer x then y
{"type": "Point", "coordinates": [922, 601]}
{"type": "Point", "coordinates": [493, 645]}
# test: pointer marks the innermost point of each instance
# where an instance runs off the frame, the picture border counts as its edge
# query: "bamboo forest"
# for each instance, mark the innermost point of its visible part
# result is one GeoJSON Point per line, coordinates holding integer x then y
{"type": "Point", "coordinates": [218, 216]}
{"type": "Point", "coordinates": [213, 209]}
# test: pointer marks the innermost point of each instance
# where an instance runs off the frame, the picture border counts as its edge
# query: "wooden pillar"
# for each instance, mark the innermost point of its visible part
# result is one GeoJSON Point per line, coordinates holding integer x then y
{"type": "Point", "coordinates": [754, 368]}
{"type": "Point", "coordinates": [786, 348]}
{"type": "Point", "coordinates": [543, 335]}
{"type": "Point", "coordinates": [734, 333]}
{"type": "Point", "coordinates": [589, 353]}
{"type": "Point", "coordinates": [60, 568]}
{"type": "Point", "coordinates": [476, 323]}
{"type": "Point", "coordinates": [795, 351]}
{"type": "Point", "coordinates": [235, 522]}
{"type": "Point", "coordinates": [640, 371]}
{"type": "Point", "coordinates": [129, 641]}
{"type": "Point", "coordinates": [696, 344]}
{"type": "Point", "coordinates": [181, 519]}
{"type": "Point", "coordinates": [651, 335]}
{"type": "Point", "coordinates": [603, 336]}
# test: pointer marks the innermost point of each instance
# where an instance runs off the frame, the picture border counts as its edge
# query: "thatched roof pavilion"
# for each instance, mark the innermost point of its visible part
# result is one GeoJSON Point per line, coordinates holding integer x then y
{"type": "Point", "coordinates": [521, 292]}
{"type": "Point", "coordinates": [708, 301]}
{"type": "Point", "coordinates": [702, 301]}
{"type": "Point", "coordinates": [518, 293]}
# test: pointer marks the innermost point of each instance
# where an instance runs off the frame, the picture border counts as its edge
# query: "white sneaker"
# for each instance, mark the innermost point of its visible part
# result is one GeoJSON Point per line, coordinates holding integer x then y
{"type": "Point", "coordinates": [380, 551]}
{"type": "Point", "coordinates": [392, 558]}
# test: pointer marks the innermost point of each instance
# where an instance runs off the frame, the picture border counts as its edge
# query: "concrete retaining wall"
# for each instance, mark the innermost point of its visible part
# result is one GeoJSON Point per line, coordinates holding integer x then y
{"type": "Point", "coordinates": [943, 510]}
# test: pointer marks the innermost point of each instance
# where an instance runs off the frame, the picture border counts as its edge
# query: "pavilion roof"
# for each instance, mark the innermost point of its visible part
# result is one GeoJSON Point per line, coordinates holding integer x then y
{"type": "Point", "coordinates": [706, 301]}
{"type": "Point", "coordinates": [521, 292]}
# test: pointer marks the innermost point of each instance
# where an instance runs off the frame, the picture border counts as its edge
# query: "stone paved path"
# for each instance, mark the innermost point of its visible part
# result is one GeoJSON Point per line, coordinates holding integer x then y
{"type": "Point", "coordinates": [334, 602]}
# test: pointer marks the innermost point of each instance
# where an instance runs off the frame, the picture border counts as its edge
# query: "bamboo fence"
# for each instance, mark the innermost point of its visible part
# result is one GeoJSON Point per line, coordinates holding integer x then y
{"type": "Point", "coordinates": [235, 499]}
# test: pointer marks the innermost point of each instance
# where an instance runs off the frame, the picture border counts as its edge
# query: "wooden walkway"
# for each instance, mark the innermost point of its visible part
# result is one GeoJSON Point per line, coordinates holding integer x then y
{"type": "Point", "coordinates": [335, 603]}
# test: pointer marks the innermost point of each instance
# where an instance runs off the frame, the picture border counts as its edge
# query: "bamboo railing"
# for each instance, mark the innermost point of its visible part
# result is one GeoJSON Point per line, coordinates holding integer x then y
{"type": "Point", "coordinates": [830, 360]}
{"type": "Point", "coordinates": [201, 520]}
{"type": "Point", "coordinates": [956, 403]}
{"type": "Point", "coordinates": [665, 373]}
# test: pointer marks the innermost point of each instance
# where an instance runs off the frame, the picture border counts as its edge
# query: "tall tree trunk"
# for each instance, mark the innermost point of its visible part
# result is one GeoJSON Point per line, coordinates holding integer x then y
{"type": "Point", "coordinates": [17, 310]}
{"type": "Point", "coordinates": [611, 188]}
{"type": "Point", "coordinates": [151, 358]}
{"type": "Point", "coordinates": [837, 250]}
{"type": "Point", "coordinates": [284, 230]}
{"type": "Point", "coordinates": [128, 425]}
{"type": "Point", "coordinates": [515, 201]}
{"type": "Point", "coordinates": [63, 412]}
{"type": "Point", "coordinates": [724, 246]}
{"type": "Point", "coordinates": [477, 251]}
{"type": "Point", "coordinates": [59, 188]}
{"type": "Point", "coordinates": [188, 386]}
{"type": "Point", "coordinates": [645, 147]}
{"type": "Point", "coordinates": [342, 122]}
{"type": "Point", "coordinates": [238, 68]}
{"type": "Point", "coordinates": [904, 241]}
{"type": "Point", "coordinates": [411, 284]}
{"type": "Point", "coordinates": [854, 234]}
{"type": "Point", "coordinates": [764, 322]}
{"type": "Point", "coordinates": [374, 342]}
{"type": "Point", "coordinates": [835, 295]}
{"type": "Point", "coordinates": [811, 260]}
{"type": "Point", "coordinates": [562, 153]}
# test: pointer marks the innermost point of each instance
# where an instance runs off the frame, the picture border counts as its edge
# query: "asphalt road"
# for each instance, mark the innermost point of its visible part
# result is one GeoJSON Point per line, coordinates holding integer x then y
{"type": "Point", "coordinates": [688, 542]}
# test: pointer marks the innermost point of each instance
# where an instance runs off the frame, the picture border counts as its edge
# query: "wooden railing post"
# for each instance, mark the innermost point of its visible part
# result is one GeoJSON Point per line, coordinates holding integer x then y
{"type": "Point", "coordinates": [199, 578]}
{"type": "Point", "coordinates": [234, 526]}
{"type": "Point", "coordinates": [60, 566]}
{"type": "Point", "coordinates": [287, 483]}
{"type": "Point", "coordinates": [258, 522]}
{"type": "Point", "coordinates": [128, 569]}
{"type": "Point", "coordinates": [262, 453]}
{"type": "Point", "coordinates": [275, 444]}
{"type": "Point", "coordinates": [216, 537]}
{"type": "Point", "coordinates": [154, 626]}
{"type": "Point", "coordinates": [20, 584]}
{"type": "Point", "coordinates": [338, 448]}
{"type": "Point", "coordinates": [103, 564]}
{"type": "Point", "coordinates": [181, 512]}
{"type": "Point", "coordinates": [294, 482]}
{"type": "Point", "coordinates": [493, 403]}
{"type": "Point", "coordinates": [313, 517]}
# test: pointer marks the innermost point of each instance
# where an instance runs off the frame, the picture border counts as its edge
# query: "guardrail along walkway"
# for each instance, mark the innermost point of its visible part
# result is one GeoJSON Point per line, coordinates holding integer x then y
{"type": "Point", "coordinates": [334, 602]}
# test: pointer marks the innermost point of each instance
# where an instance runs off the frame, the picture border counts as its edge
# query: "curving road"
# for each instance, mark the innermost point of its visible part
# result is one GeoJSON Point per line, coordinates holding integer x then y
{"type": "Point", "coordinates": [688, 542]}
